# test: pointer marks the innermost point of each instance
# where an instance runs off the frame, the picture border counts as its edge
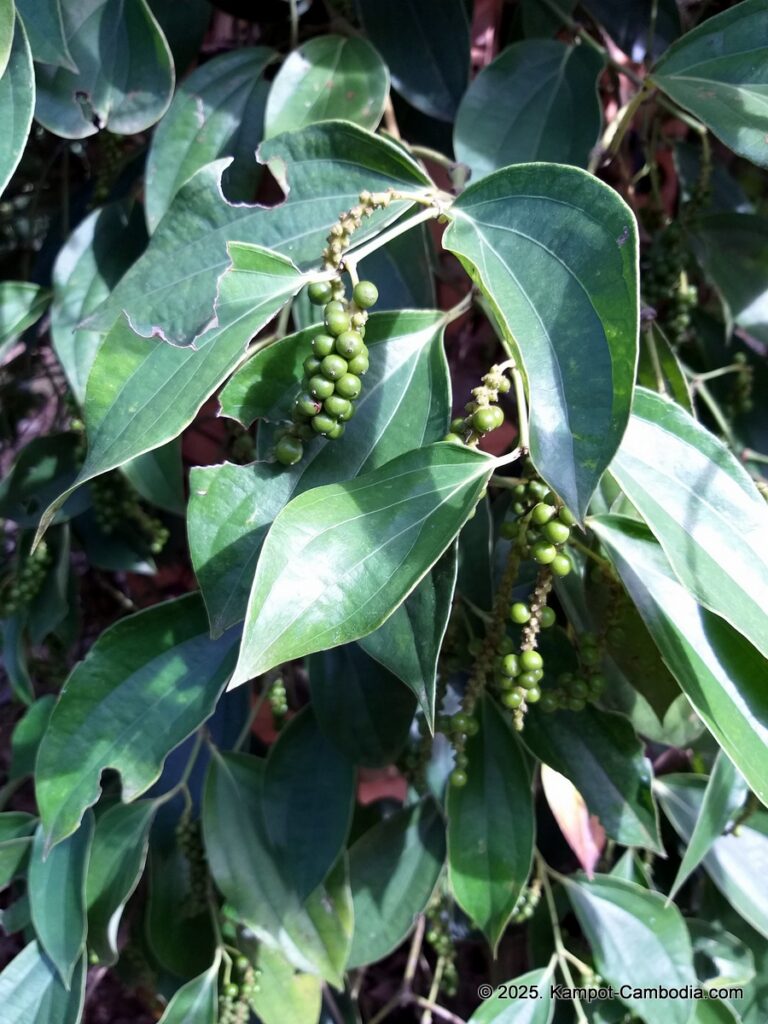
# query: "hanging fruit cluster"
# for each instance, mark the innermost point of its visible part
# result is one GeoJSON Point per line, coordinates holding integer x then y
{"type": "Point", "coordinates": [482, 413]}
{"type": "Point", "coordinates": [190, 841]}
{"type": "Point", "coordinates": [339, 359]}
{"type": "Point", "coordinates": [19, 589]}
{"type": "Point", "coordinates": [236, 996]}
{"type": "Point", "coordinates": [116, 503]}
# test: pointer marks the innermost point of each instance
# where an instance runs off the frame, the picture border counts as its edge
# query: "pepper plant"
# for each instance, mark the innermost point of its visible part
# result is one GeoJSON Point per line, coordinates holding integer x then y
{"type": "Point", "coordinates": [384, 603]}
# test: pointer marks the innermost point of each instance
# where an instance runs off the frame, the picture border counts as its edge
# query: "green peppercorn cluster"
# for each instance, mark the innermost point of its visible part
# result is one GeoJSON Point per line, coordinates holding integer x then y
{"type": "Point", "coordinates": [666, 286]}
{"type": "Point", "coordinates": [190, 842]}
{"type": "Point", "coordinates": [236, 996]}
{"type": "Point", "coordinates": [482, 413]}
{"type": "Point", "coordinates": [109, 164]}
{"type": "Point", "coordinates": [116, 503]}
{"type": "Point", "coordinates": [332, 372]}
{"type": "Point", "coordinates": [458, 728]}
{"type": "Point", "coordinates": [527, 903]}
{"type": "Point", "coordinates": [438, 935]}
{"type": "Point", "coordinates": [740, 399]}
{"type": "Point", "coordinates": [278, 699]}
{"type": "Point", "coordinates": [541, 524]}
{"type": "Point", "coordinates": [20, 589]}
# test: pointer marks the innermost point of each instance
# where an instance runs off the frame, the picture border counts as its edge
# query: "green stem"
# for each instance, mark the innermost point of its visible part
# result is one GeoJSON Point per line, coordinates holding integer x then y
{"type": "Point", "coordinates": [506, 482]}
{"type": "Point", "coordinates": [522, 409]}
{"type": "Point", "coordinates": [589, 552]}
{"type": "Point", "coordinates": [354, 256]}
{"type": "Point", "coordinates": [461, 307]}
{"type": "Point", "coordinates": [560, 949]}
{"type": "Point", "coordinates": [585, 37]}
{"type": "Point", "coordinates": [294, 24]}
{"type": "Point", "coordinates": [713, 374]}
{"type": "Point", "coordinates": [182, 783]}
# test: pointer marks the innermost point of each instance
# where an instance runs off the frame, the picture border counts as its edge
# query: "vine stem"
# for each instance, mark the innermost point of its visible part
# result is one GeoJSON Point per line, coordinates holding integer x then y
{"type": "Point", "coordinates": [560, 950]}
{"type": "Point", "coordinates": [461, 307]}
{"type": "Point", "coordinates": [294, 23]}
{"type": "Point", "coordinates": [354, 256]}
{"type": "Point", "coordinates": [181, 785]}
{"type": "Point", "coordinates": [585, 37]}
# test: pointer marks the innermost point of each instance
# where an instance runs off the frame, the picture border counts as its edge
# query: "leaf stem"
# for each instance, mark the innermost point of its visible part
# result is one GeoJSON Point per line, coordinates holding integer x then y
{"type": "Point", "coordinates": [294, 23]}
{"type": "Point", "coordinates": [461, 307]}
{"type": "Point", "coordinates": [354, 256]}
{"type": "Point", "coordinates": [560, 949]}
{"type": "Point", "coordinates": [182, 783]}
{"type": "Point", "coordinates": [585, 37]}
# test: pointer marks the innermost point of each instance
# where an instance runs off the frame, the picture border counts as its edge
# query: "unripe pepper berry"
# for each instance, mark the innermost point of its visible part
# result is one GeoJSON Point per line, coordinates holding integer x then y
{"type": "Point", "coordinates": [349, 344]}
{"type": "Point", "coordinates": [349, 385]}
{"type": "Point", "coordinates": [365, 294]}
{"type": "Point", "coordinates": [333, 367]}
{"type": "Point", "coordinates": [487, 418]}
{"type": "Point", "coordinates": [319, 292]}
{"type": "Point", "coordinates": [289, 450]}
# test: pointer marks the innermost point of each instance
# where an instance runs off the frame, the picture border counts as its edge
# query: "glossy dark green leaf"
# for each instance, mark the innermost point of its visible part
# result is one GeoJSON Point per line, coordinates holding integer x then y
{"type": "Point", "coordinates": [314, 936]}
{"type": "Point", "coordinates": [171, 290]}
{"type": "Point", "coordinates": [16, 828]}
{"type": "Point", "coordinates": [532, 1005]}
{"type": "Point", "coordinates": [17, 103]}
{"type": "Point", "coordinates": [124, 78]}
{"type": "Point", "coordinates": [601, 755]}
{"type": "Point", "coordinates": [536, 101]}
{"type": "Point", "coordinates": [491, 825]}
{"type": "Point", "coordinates": [50, 606]}
{"type": "Point", "coordinates": [158, 674]}
{"type": "Point", "coordinates": [426, 46]}
{"type": "Point", "coordinates": [719, 72]}
{"type": "Point", "coordinates": [736, 861]}
{"type": "Point", "coordinates": [158, 476]}
{"type": "Point", "coordinates": [360, 706]}
{"type": "Point", "coordinates": [339, 559]}
{"type": "Point", "coordinates": [720, 958]}
{"type": "Point", "coordinates": [326, 78]}
{"type": "Point", "coordinates": [703, 508]}
{"type": "Point", "coordinates": [27, 735]}
{"type": "Point", "coordinates": [733, 250]}
{"type": "Point", "coordinates": [196, 1001]}
{"type": "Point", "coordinates": [177, 929]}
{"type": "Point", "coordinates": [628, 23]}
{"type": "Point", "coordinates": [142, 393]}
{"type": "Point", "coordinates": [475, 576]}
{"type": "Point", "coordinates": [41, 471]}
{"type": "Point", "coordinates": [525, 234]}
{"type": "Point", "coordinates": [626, 924]}
{"type": "Point", "coordinates": [7, 18]}
{"type": "Point", "coordinates": [44, 22]}
{"type": "Point", "coordinates": [393, 870]}
{"type": "Point", "coordinates": [725, 794]}
{"type": "Point", "coordinates": [87, 268]}
{"type": "Point", "coordinates": [285, 994]}
{"type": "Point", "coordinates": [405, 403]}
{"type": "Point", "coordinates": [31, 991]}
{"type": "Point", "coordinates": [21, 304]}
{"type": "Point", "coordinates": [659, 368]}
{"type": "Point", "coordinates": [409, 642]}
{"type": "Point", "coordinates": [117, 860]}
{"type": "Point", "coordinates": [61, 925]}
{"type": "Point", "coordinates": [719, 670]}
{"type": "Point", "coordinates": [217, 111]}
{"type": "Point", "coordinates": [184, 26]}
{"type": "Point", "coordinates": [308, 794]}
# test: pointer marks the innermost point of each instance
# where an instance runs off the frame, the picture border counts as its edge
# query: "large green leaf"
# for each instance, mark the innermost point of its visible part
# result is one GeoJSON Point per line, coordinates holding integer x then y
{"type": "Point", "coordinates": [703, 508]}
{"type": "Point", "coordinates": [17, 104]}
{"type": "Point", "coordinates": [339, 559]}
{"type": "Point", "coordinates": [308, 795]}
{"type": "Point", "coordinates": [362, 708]}
{"type": "Point", "coordinates": [16, 828]}
{"type": "Point", "coordinates": [42, 470]}
{"type": "Point", "coordinates": [638, 941]}
{"type": "Point", "coordinates": [7, 17]}
{"type": "Point", "coordinates": [601, 755]}
{"type": "Point", "coordinates": [719, 670]}
{"type": "Point", "coordinates": [177, 925]}
{"type": "Point", "coordinates": [491, 826]}
{"type": "Point", "coordinates": [196, 1001]}
{"type": "Point", "coordinates": [536, 101]}
{"type": "Point", "coordinates": [44, 22]}
{"type": "Point", "coordinates": [21, 304]}
{"type": "Point", "coordinates": [171, 290]}
{"type": "Point", "coordinates": [531, 1002]}
{"type": "Point", "coordinates": [719, 71]}
{"type": "Point", "coordinates": [409, 642]}
{"type": "Point", "coordinates": [405, 403]}
{"type": "Point", "coordinates": [87, 268]}
{"type": "Point", "coordinates": [736, 862]}
{"type": "Point", "coordinates": [158, 675]}
{"type": "Point", "coordinates": [724, 796]}
{"type": "Point", "coordinates": [314, 936]}
{"type": "Point", "coordinates": [31, 991]}
{"type": "Point", "coordinates": [117, 859]}
{"type": "Point", "coordinates": [537, 231]}
{"type": "Point", "coordinates": [733, 250]}
{"type": "Point", "coordinates": [27, 734]}
{"type": "Point", "coordinates": [328, 77]}
{"type": "Point", "coordinates": [124, 78]}
{"type": "Point", "coordinates": [217, 111]}
{"type": "Point", "coordinates": [393, 870]}
{"type": "Point", "coordinates": [283, 993]}
{"type": "Point", "coordinates": [142, 392]}
{"type": "Point", "coordinates": [60, 922]}
{"type": "Point", "coordinates": [426, 46]}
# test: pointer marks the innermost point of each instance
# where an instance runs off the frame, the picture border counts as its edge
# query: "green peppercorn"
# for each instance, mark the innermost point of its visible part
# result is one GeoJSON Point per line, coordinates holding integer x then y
{"type": "Point", "coordinates": [548, 702]}
{"type": "Point", "coordinates": [349, 344]}
{"type": "Point", "coordinates": [542, 513]}
{"type": "Point", "coordinates": [513, 698]}
{"type": "Point", "coordinates": [307, 404]}
{"type": "Point", "coordinates": [561, 565]}
{"type": "Point", "coordinates": [531, 661]}
{"type": "Point", "coordinates": [453, 438]}
{"type": "Point", "coordinates": [527, 680]}
{"type": "Point", "coordinates": [519, 613]}
{"type": "Point", "coordinates": [319, 292]}
{"type": "Point", "coordinates": [487, 418]}
{"type": "Point", "coordinates": [511, 665]}
{"type": "Point", "coordinates": [458, 778]}
{"type": "Point", "coordinates": [335, 432]}
{"type": "Point", "coordinates": [547, 617]}
{"type": "Point", "coordinates": [337, 407]}
{"type": "Point", "coordinates": [543, 552]}
{"type": "Point", "coordinates": [322, 345]}
{"type": "Point", "coordinates": [289, 450]}
{"type": "Point", "coordinates": [349, 385]}
{"type": "Point", "coordinates": [337, 321]}
{"type": "Point", "coordinates": [320, 387]}
{"type": "Point", "coordinates": [322, 423]}
{"type": "Point", "coordinates": [557, 532]}
{"type": "Point", "coordinates": [359, 365]}
{"type": "Point", "coordinates": [533, 695]}
{"type": "Point", "coordinates": [365, 294]}
{"type": "Point", "coordinates": [566, 517]}
{"type": "Point", "coordinates": [333, 367]}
